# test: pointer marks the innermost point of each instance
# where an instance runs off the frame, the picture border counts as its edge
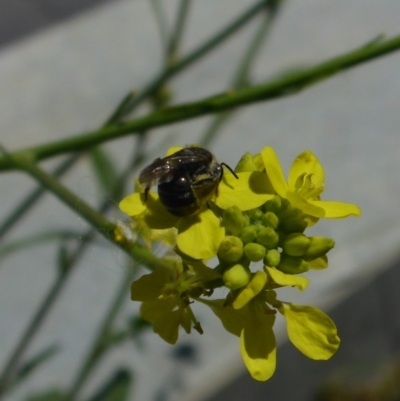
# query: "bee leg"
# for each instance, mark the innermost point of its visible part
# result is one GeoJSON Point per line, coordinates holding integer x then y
{"type": "Point", "coordinates": [146, 193]}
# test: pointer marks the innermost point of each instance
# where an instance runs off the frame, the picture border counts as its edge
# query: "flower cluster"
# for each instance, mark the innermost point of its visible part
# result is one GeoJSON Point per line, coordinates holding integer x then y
{"type": "Point", "coordinates": [255, 225]}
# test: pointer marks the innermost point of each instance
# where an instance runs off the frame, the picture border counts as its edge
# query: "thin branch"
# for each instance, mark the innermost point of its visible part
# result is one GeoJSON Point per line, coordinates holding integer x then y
{"type": "Point", "coordinates": [217, 39]}
{"type": "Point", "coordinates": [277, 88]}
{"type": "Point", "coordinates": [241, 76]}
{"type": "Point", "coordinates": [21, 208]}
{"type": "Point", "coordinates": [178, 30]}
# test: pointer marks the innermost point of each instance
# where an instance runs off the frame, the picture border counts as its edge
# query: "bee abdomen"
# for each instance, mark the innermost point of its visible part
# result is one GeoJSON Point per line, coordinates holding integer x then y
{"type": "Point", "coordinates": [177, 196]}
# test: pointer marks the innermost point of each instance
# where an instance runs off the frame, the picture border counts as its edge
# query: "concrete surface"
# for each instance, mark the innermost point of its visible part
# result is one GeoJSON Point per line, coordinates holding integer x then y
{"type": "Point", "coordinates": [67, 78]}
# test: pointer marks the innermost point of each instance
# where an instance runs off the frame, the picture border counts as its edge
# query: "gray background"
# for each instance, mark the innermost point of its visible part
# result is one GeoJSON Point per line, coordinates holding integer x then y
{"type": "Point", "coordinates": [69, 73]}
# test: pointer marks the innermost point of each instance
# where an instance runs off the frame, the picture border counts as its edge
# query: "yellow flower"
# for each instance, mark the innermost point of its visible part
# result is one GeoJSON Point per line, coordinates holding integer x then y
{"type": "Point", "coordinates": [253, 324]}
{"type": "Point", "coordinates": [311, 331]}
{"type": "Point", "coordinates": [304, 186]}
{"type": "Point", "coordinates": [198, 235]}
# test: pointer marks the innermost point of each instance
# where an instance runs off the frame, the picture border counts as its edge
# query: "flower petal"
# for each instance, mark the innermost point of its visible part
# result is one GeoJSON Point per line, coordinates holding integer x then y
{"type": "Point", "coordinates": [203, 272]}
{"type": "Point", "coordinates": [250, 191]}
{"type": "Point", "coordinates": [233, 320]}
{"type": "Point", "coordinates": [338, 210]}
{"type": "Point", "coordinates": [287, 279]}
{"type": "Point", "coordinates": [132, 205]}
{"type": "Point", "coordinates": [258, 346]}
{"type": "Point", "coordinates": [306, 163]}
{"type": "Point", "coordinates": [156, 216]}
{"type": "Point", "coordinates": [311, 331]}
{"type": "Point", "coordinates": [151, 310]}
{"type": "Point", "coordinates": [305, 206]}
{"type": "Point", "coordinates": [150, 286]}
{"type": "Point", "coordinates": [274, 171]}
{"type": "Point", "coordinates": [253, 288]}
{"type": "Point", "coordinates": [319, 263]}
{"type": "Point", "coordinates": [167, 326]}
{"type": "Point", "coordinates": [200, 235]}
{"type": "Point", "coordinates": [173, 149]}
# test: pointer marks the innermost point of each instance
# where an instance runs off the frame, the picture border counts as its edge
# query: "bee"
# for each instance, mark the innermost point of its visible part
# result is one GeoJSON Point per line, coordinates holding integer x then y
{"type": "Point", "coordinates": [186, 180]}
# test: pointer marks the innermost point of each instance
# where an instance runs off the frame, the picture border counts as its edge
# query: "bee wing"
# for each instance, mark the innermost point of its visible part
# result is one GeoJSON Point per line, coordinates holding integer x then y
{"type": "Point", "coordinates": [162, 170]}
{"type": "Point", "coordinates": [158, 171]}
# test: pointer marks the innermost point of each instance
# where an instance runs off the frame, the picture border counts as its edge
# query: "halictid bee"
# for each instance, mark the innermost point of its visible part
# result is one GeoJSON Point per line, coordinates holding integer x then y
{"type": "Point", "coordinates": [185, 179]}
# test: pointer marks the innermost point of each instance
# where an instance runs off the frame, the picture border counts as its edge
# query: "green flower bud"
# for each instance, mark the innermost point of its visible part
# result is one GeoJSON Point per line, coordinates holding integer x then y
{"type": "Point", "coordinates": [268, 237]}
{"type": "Point", "coordinates": [254, 252]}
{"type": "Point", "coordinates": [294, 225]}
{"type": "Point", "coordinates": [296, 244]}
{"type": "Point", "coordinates": [232, 219]}
{"type": "Point", "coordinates": [236, 277]}
{"type": "Point", "coordinates": [272, 258]}
{"type": "Point", "coordinates": [255, 214]}
{"type": "Point", "coordinates": [282, 237]}
{"type": "Point", "coordinates": [319, 246]}
{"type": "Point", "coordinates": [246, 220]}
{"type": "Point", "coordinates": [270, 219]}
{"type": "Point", "coordinates": [292, 265]}
{"type": "Point", "coordinates": [249, 234]}
{"type": "Point", "coordinates": [291, 213]}
{"type": "Point", "coordinates": [273, 205]}
{"type": "Point", "coordinates": [246, 163]}
{"type": "Point", "coordinates": [230, 250]}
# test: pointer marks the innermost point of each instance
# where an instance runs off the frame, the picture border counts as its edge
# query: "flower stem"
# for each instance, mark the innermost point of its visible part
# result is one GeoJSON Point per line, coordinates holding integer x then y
{"type": "Point", "coordinates": [280, 87]}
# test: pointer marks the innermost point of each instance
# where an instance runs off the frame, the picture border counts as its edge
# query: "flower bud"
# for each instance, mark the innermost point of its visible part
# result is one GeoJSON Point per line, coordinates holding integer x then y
{"type": "Point", "coordinates": [292, 265]}
{"type": "Point", "coordinates": [296, 244]}
{"type": "Point", "coordinates": [246, 164]}
{"type": "Point", "coordinates": [249, 234]}
{"type": "Point", "coordinates": [270, 219]}
{"type": "Point", "coordinates": [230, 250]}
{"type": "Point", "coordinates": [255, 214]}
{"type": "Point", "coordinates": [236, 276]}
{"type": "Point", "coordinates": [254, 252]}
{"type": "Point", "coordinates": [246, 220]}
{"type": "Point", "coordinates": [272, 258]}
{"type": "Point", "coordinates": [319, 246]}
{"type": "Point", "coordinates": [273, 205]}
{"type": "Point", "coordinates": [294, 225]}
{"type": "Point", "coordinates": [268, 237]}
{"type": "Point", "coordinates": [232, 219]}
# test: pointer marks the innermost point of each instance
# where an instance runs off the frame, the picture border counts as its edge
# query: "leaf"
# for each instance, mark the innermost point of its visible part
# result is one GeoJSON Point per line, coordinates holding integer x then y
{"type": "Point", "coordinates": [105, 170]}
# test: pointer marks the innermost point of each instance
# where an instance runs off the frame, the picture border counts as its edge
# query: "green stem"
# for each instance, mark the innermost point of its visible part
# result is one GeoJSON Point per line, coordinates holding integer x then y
{"type": "Point", "coordinates": [161, 21]}
{"type": "Point", "coordinates": [98, 348]}
{"type": "Point", "coordinates": [140, 254]}
{"type": "Point", "coordinates": [241, 76]}
{"type": "Point", "coordinates": [24, 206]}
{"type": "Point", "coordinates": [209, 45]}
{"type": "Point", "coordinates": [177, 33]}
{"type": "Point", "coordinates": [96, 219]}
{"type": "Point", "coordinates": [282, 86]}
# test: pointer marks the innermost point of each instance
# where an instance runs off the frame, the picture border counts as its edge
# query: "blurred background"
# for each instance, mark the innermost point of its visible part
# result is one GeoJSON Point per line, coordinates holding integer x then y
{"type": "Point", "coordinates": [65, 65]}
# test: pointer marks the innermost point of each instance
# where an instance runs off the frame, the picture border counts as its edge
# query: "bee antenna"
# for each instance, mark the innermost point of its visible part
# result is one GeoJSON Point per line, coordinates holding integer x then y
{"type": "Point", "coordinates": [234, 174]}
